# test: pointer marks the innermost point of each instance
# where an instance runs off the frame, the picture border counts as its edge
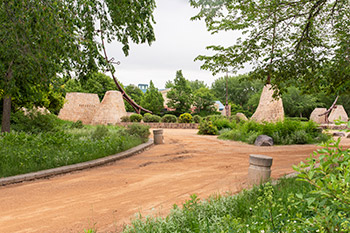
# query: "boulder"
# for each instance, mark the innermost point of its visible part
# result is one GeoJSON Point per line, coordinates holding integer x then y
{"type": "Point", "coordinates": [263, 140]}
{"type": "Point", "coordinates": [339, 134]}
{"type": "Point", "coordinates": [315, 116]}
{"type": "Point", "coordinates": [241, 116]}
{"type": "Point", "coordinates": [270, 109]}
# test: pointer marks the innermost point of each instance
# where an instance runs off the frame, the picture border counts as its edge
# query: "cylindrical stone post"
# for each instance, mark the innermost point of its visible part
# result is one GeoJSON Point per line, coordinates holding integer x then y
{"type": "Point", "coordinates": [259, 169]}
{"type": "Point", "coordinates": [158, 136]}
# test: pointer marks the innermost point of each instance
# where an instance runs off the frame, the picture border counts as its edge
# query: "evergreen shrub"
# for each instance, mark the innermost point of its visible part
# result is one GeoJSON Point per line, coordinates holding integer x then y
{"type": "Point", "coordinates": [151, 118]}
{"type": "Point", "coordinates": [169, 118]}
{"type": "Point", "coordinates": [197, 119]}
{"type": "Point", "coordinates": [125, 119]}
{"type": "Point", "coordinates": [207, 128]}
{"type": "Point", "coordinates": [136, 117]}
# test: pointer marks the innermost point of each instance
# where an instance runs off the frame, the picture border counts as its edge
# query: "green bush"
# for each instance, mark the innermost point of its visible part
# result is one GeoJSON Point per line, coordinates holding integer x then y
{"type": "Point", "coordinates": [151, 118]}
{"type": "Point", "coordinates": [77, 125]}
{"type": "Point", "coordinates": [100, 132]}
{"type": "Point", "coordinates": [169, 118]}
{"type": "Point", "coordinates": [207, 128]}
{"type": "Point", "coordinates": [185, 118]}
{"type": "Point", "coordinates": [136, 117]}
{"type": "Point", "coordinates": [125, 119]}
{"type": "Point", "coordinates": [283, 133]}
{"type": "Point", "coordinates": [138, 130]}
{"type": "Point", "coordinates": [197, 119]}
{"type": "Point", "coordinates": [34, 122]}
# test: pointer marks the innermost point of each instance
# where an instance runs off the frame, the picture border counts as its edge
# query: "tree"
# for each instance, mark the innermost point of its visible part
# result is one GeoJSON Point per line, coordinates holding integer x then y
{"type": "Point", "coordinates": [153, 99]}
{"type": "Point", "coordinates": [308, 39]}
{"type": "Point", "coordinates": [197, 84]}
{"type": "Point", "coordinates": [240, 89]}
{"type": "Point", "coordinates": [204, 101]}
{"type": "Point", "coordinates": [41, 39]}
{"type": "Point", "coordinates": [135, 94]}
{"type": "Point", "coordinates": [180, 95]}
{"type": "Point", "coordinates": [97, 83]}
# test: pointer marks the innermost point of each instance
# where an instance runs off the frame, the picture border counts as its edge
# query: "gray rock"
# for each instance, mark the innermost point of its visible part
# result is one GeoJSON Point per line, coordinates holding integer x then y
{"type": "Point", "coordinates": [339, 134]}
{"type": "Point", "coordinates": [263, 140]}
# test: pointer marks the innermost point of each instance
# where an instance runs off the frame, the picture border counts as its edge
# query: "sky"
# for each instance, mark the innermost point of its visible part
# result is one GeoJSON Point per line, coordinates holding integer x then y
{"type": "Point", "coordinates": [178, 42]}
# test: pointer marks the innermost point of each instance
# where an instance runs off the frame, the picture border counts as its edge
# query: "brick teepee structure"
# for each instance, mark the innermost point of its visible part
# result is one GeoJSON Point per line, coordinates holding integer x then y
{"type": "Point", "coordinates": [338, 113]}
{"type": "Point", "coordinates": [111, 109]}
{"type": "Point", "coordinates": [269, 108]}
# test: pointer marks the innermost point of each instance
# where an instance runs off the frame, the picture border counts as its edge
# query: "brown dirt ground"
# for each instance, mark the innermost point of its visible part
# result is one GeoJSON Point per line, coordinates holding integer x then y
{"type": "Point", "coordinates": [148, 183]}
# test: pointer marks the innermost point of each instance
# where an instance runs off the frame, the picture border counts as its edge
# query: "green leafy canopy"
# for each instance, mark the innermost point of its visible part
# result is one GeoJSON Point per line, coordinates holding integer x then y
{"type": "Point", "coordinates": [305, 42]}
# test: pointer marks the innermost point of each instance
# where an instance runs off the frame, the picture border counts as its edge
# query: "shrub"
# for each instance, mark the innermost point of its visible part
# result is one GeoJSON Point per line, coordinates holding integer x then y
{"type": "Point", "coordinates": [197, 119]}
{"type": "Point", "coordinates": [207, 127]}
{"type": "Point", "coordinates": [151, 118]}
{"type": "Point", "coordinates": [125, 119]}
{"type": "Point", "coordinates": [100, 132]}
{"type": "Point", "coordinates": [169, 118]}
{"type": "Point", "coordinates": [77, 125]}
{"type": "Point", "coordinates": [185, 118]}
{"type": "Point", "coordinates": [283, 133]}
{"type": "Point", "coordinates": [34, 122]}
{"type": "Point", "coordinates": [135, 117]}
{"type": "Point", "coordinates": [138, 130]}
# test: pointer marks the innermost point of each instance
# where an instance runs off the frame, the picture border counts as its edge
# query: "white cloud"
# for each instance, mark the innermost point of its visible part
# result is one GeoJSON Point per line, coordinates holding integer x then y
{"type": "Point", "coordinates": [178, 42]}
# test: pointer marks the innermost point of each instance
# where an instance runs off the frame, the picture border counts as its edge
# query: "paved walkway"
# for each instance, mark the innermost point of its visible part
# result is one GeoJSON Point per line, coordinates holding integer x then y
{"type": "Point", "coordinates": [149, 183]}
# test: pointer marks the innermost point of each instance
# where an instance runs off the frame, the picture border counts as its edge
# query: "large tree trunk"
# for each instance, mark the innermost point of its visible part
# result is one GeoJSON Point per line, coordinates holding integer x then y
{"type": "Point", "coordinates": [6, 114]}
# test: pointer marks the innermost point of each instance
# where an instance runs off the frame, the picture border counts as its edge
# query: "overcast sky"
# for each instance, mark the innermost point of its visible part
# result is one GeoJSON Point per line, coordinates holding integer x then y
{"type": "Point", "coordinates": [178, 42]}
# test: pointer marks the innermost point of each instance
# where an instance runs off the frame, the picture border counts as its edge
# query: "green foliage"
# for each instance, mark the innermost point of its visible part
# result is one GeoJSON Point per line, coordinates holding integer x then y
{"type": "Point", "coordinates": [97, 83]}
{"type": "Point", "coordinates": [180, 95]}
{"type": "Point", "coordinates": [168, 118]}
{"type": "Point", "coordinates": [207, 128]}
{"type": "Point", "coordinates": [125, 119]}
{"type": "Point", "coordinates": [197, 119]}
{"type": "Point", "coordinates": [139, 130]}
{"type": "Point", "coordinates": [34, 122]}
{"type": "Point", "coordinates": [305, 39]}
{"type": "Point", "coordinates": [100, 132]}
{"type": "Point", "coordinates": [49, 39]}
{"type": "Point", "coordinates": [135, 94]}
{"type": "Point", "coordinates": [151, 118]}
{"type": "Point", "coordinates": [196, 85]}
{"type": "Point", "coordinates": [283, 133]}
{"type": "Point", "coordinates": [22, 152]}
{"type": "Point", "coordinates": [77, 125]}
{"type": "Point", "coordinates": [262, 209]}
{"type": "Point", "coordinates": [328, 171]}
{"type": "Point", "coordinates": [185, 118]}
{"type": "Point", "coordinates": [153, 99]}
{"type": "Point", "coordinates": [203, 100]}
{"type": "Point", "coordinates": [136, 117]}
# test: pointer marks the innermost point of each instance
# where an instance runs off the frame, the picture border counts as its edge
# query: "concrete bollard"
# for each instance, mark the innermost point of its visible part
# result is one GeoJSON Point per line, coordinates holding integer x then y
{"type": "Point", "coordinates": [158, 136]}
{"type": "Point", "coordinates": [259, 169]}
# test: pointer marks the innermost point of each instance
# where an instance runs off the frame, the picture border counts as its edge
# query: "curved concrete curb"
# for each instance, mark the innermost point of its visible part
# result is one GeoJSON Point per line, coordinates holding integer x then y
{"type": "Point", "coordinates": [76, 167]}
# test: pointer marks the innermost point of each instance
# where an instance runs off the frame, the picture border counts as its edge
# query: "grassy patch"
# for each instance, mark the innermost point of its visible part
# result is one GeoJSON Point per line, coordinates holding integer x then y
{"type": "Point", "coordinates": [248, 211]}
{"type": "Point", "coordinates": [28, 149]}
{"type": "Point", "coordinates": [283, 133]}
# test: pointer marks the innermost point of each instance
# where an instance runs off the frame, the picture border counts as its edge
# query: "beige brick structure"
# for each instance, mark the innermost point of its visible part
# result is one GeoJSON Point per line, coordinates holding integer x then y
{"type": "Point", "coordinates": [79, 106]}
{"type": "Point", "coordinates": [111, 109]}
{"type": "Point", "coordinates": [269, 108]}
{"type": "Point", "coordinates": [338, 112]}
{"type": "Point", "coordinates": [316, 118]}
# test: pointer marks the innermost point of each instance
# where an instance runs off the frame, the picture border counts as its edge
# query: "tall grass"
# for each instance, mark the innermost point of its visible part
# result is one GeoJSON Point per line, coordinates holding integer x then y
{"type": "Point", "coordinates": [249, 211]}
{"type": "Point", "coordinates": [283, 133]}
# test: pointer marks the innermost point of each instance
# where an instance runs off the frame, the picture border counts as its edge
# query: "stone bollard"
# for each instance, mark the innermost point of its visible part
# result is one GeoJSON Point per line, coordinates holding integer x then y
{"type": "Point", "coordinates": [158, 136]}
{"type": "Point", "coordinates": [259, 169]}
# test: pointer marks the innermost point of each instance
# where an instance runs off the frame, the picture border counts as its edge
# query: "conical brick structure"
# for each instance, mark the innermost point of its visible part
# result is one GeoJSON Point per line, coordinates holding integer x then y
{"type": "Point", "coordinates": [338, 113]}
{"type": "Point", "coordinates": [269, 108]}
{"type": "Point", "coordinates": [111, 109]}
{"type": "Point", "coordinates": [319, 119]}
{"type": "Point", "coordinates": [79, 106]}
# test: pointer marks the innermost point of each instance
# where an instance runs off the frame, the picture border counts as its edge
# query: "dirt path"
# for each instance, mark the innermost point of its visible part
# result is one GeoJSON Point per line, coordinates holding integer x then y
{"type": "Point", "coordinates": [148, 183]}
